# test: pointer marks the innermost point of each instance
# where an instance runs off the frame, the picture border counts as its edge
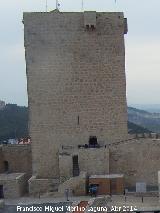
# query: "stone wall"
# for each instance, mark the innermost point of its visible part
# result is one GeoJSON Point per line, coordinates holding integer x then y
{"type": "Point", "coordinates": [39, 186]}
{"type": "Point", "coordinates": [94, 161]}
{"type": "Point", "coordinates": [138, 160]}
{"type": "Point", "coordinates": [19, 158]}
{"type": "Point", "coordinates": [76, 82]}
{"type": "Point", "coordinates": [90, 160]}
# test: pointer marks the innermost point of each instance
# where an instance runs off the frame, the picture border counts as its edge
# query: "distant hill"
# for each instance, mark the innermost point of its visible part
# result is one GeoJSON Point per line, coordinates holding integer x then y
{"type": "Point", "coordinates": [134, 128]}
{"type": "Point", "coordinates": [14, 122]}
{"type": "Point", "coordinates": [148, 107]}
{"type": "Point", "coordinates": [146, 119]}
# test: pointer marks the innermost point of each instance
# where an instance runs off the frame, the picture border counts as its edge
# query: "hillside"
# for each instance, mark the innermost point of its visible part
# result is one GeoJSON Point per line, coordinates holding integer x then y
{"type": "Point", "coordinates": [134, 128]}
{"type": "Point", "coordinates": [14, 122]}
{"type": "Point", "coordinates": [145, 119]}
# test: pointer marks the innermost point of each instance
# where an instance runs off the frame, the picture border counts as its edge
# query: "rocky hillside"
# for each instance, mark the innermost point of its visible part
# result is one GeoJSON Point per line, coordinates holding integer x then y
{"type": "Point", "coordinates": [148, 120]}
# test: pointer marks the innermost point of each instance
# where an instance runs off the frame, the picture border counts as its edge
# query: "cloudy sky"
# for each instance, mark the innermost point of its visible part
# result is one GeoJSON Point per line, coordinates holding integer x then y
{"type": "Point", "coordinates": [142, 45]}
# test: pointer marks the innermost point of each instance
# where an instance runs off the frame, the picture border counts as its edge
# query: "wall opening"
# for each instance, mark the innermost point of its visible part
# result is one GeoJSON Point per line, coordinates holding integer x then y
{"type": "Point", "coordinates": [92, 27]}
{"type": "Point", "coordinates": [6, 166]}
{"type": "Point", "coordinates": [93, 141]}
{"type": "Point", "coordinates": [75, 165]}
{"type": "Point", "coordinates": [87, 27]}
{"type": "Point", "coordinates": [1, 192]}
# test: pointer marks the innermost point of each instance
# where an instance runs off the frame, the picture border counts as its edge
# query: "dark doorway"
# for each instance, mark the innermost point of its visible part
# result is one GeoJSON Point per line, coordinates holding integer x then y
{"type": "Point", "coordinates": [1, 192]}
{"type": "Point", "coordinates": [6, 166]}
{"type": "Point", "coordinates": [75, 166]}
{"type": "Point", "coordinates": [93, 141]}
{"type": "Point", "coordinates": [113, 186]}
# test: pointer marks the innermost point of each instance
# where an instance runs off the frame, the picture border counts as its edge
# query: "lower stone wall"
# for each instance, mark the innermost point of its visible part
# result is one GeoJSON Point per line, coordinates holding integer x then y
{"type": "Point", "coordinates": [19, 159]}
{"type": "Point", "coordinates": [14, 185]}
{"type": "Point", "coordinates": [93, 161]}
{"type": "Point", "coordinates": [23, 185]}
{"type": "Point", "coordinates": [138, 160]}
{"type": "Point", "coordinates": [37, 187]}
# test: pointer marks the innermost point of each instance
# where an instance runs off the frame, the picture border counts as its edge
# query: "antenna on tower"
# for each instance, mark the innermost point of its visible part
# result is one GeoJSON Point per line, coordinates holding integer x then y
{"type": "Point", "coordinates": [82, 6]}
{"type": "Point", "coordinates": [115, 5]}
{"type": "Point", "coordinates": [57, 5]}
{"type": "Point", "coordinates": [46, 5]}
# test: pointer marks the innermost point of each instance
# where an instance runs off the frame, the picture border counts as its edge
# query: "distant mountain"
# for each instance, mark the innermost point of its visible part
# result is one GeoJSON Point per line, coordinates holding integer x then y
{"type": "Point", "coordinates": [145, 119]}
{"type": "Point", "coordinates": [147, 107]}
{"type": "Point", "coordinates": [14, 121]}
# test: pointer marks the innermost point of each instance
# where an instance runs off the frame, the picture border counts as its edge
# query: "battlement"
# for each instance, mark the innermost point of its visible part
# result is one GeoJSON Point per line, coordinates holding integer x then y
{"type": "Point", "coordinates": [103, 22]}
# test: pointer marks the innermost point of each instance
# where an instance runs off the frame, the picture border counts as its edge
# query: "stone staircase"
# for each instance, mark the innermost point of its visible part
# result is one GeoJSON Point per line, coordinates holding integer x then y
{"type": "Point", "coordinates": [76, 185]}
{"type": "Point", "coordinates": [75, 166]}
{"type": "Point", "coordinates": [75, 169]}
{"type": "Point", "coordinates": [53, 187]}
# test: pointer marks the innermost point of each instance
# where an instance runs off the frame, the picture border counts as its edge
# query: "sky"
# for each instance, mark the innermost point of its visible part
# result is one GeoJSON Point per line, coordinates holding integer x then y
{"type": "Point", "coordinates": [142, 45]}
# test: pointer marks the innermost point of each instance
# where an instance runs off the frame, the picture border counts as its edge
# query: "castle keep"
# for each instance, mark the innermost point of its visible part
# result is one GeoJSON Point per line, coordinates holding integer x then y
{"type": "Point", "coordinates": [76, 82]}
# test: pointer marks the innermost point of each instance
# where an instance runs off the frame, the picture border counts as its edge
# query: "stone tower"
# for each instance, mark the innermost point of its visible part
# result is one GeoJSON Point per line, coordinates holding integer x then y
{"type": "Point", "coordinates": [76, 82]}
